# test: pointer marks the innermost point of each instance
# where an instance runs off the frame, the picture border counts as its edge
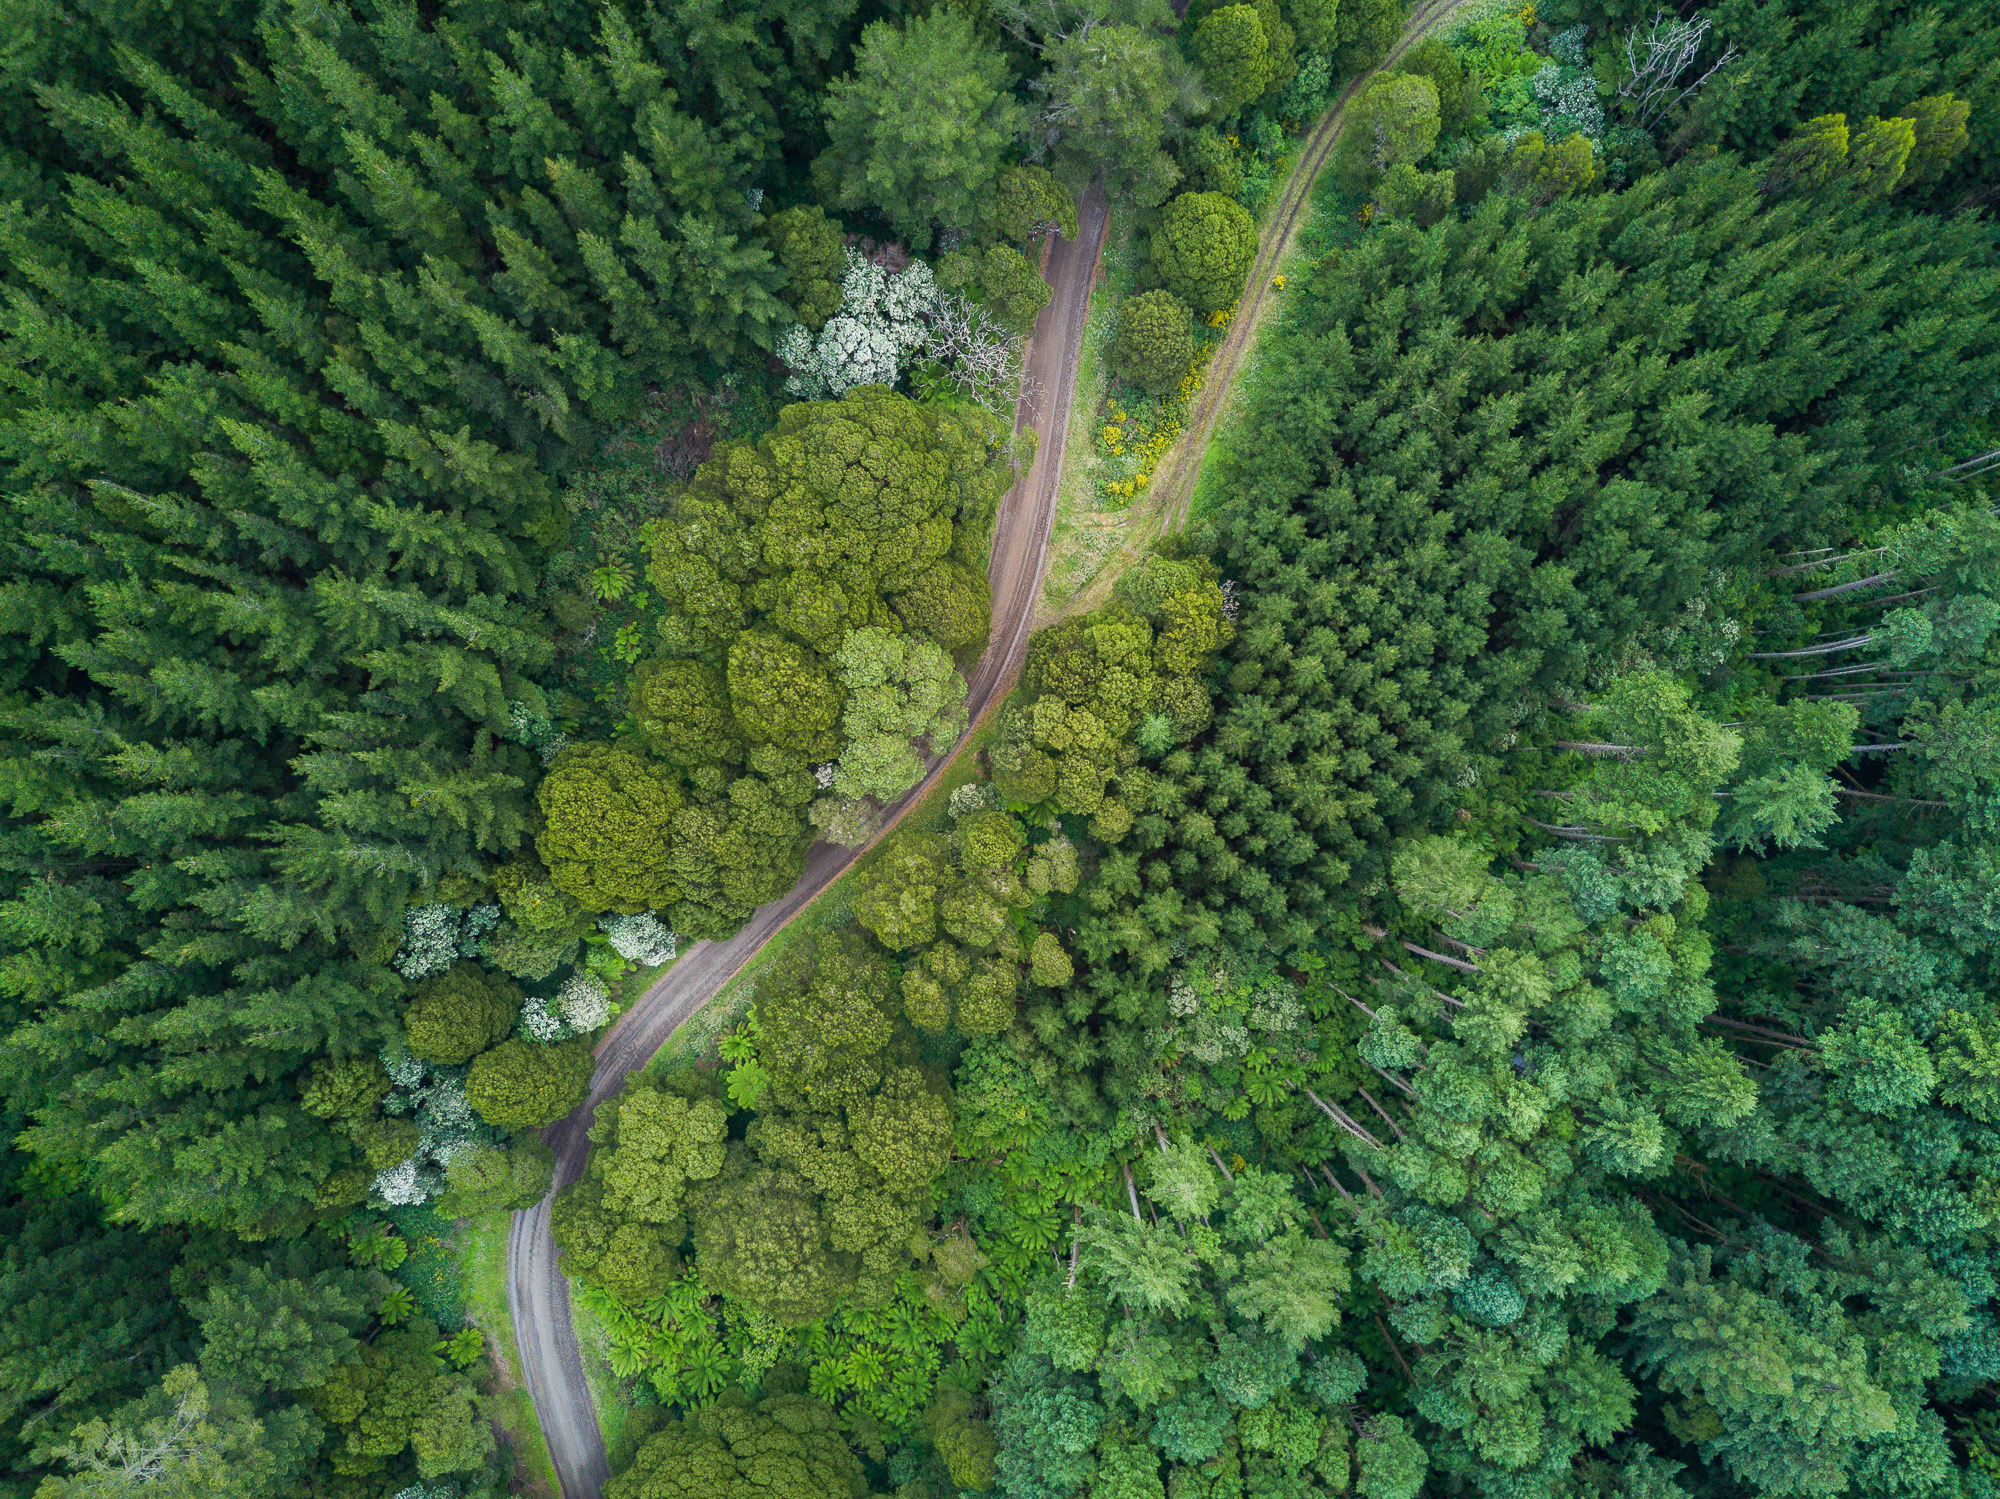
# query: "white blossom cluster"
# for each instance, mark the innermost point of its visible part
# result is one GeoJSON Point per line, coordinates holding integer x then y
{"type": "Point", "coordinates": [881, 322]}
{"type": "Point", "coordinates": [1569, 102]}
{"type": "Point", "coordinates": [401, 1186]}
{"type": "Point", "coordinates": [975, 796]}
{"type": "Point", "coordinates": [437, 935]}
{"type": "Point", "coordinates": [434, 1096]}
{"type": "Point", "coordinates": [535, 730]}
{"type": "Point", "coordinates": [1566, 47]}
{"type": "Point", "coordinates": [1698, 639]}
{"type": "Point", "coordinates": [1215, 1020]}
{"type": "Point", "coordinates": [1276, 1008]}
{"type": "Point", "coordinates": [539, 1023]}
{"type": "Point", "coordinates": [430, 941]}
{"type": "Point", "coordinates": [887, 319]}
{"type": "Point", "coordinates": [823, 774]}
{"type": "Point", "coordinates": [582, 1004]}
{"type": "Point", "coordinates": [644, 939]}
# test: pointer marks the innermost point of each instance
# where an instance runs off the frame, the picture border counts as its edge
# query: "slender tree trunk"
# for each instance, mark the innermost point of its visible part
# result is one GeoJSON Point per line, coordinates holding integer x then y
{"type": "Point", "coordinates": [1592, 747]}
{"type": "Point", "coordinates": [1763, 1030]}
{"type": "Point", "coordinates": [1839, 588]}
{"type": "Point", "coordinates": [1456, 1004]}
{"type": "Point", "coordinates": [1578, 835]}
{"type": "Point", "coordinates": [1970, 463]}
{"type": "Point", "coordinates": [1818, 562]}
{"type": "Point", "coordinates": [1353, 1001]}
{"type": "Point", "coordinates": [1897, 598]}
{"type": "Point", "coordinates": [1394, 1351]}
{"type": "Point", "coordinates": [1132, 1192]}
{"type": "Point", "coordinates": [1342, 1118]}
{"type": "Point", "coordinates": [1900, 801]}
{"type": "Point", "coordinates": [1392, 1080]}
{"type": "Point", "coordinates": [1438, 957]}
{"type": "Point", "coordinates": [1227, 1174]}
{"type": "Point", "coordinates": [1383, 1112]}
{"type": "Point", "coordinates": [1849, 671]}
{"type": "Point", "coordinates": [1852, 643]}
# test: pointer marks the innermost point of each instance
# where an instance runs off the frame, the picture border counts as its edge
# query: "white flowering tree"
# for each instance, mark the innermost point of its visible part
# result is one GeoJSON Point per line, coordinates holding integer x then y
{"type": "Point", "coordinates": [879, 326]}
{"type": "Point", "coordinates": [643, 939]}
{"type": "Point", "coordinates": [1567, 90]}
{"type": "Point", "coordinates": [885, 321]}
{"type": "Point", "coordinates": [583, 1002]}
{"type": "Point", "coordinates": [433, 1097]}
{"type": "Point", "coordinates": [437, 935]}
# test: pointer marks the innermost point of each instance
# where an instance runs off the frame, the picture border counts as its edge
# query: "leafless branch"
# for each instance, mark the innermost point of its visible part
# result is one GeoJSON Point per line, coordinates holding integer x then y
{"type": "Point", "coordinates": [1655, 61]}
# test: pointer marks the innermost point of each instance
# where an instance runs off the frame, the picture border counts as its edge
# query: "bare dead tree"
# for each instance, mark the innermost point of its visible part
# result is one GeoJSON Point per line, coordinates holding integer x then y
{"type": "Point", "coordinates": [1656, 59]}
{"type": "Point", "coordinates": [981, 357]}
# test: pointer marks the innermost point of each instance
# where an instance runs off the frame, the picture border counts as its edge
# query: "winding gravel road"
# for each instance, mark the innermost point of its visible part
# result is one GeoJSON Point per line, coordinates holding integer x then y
{"type": "Point", "coordinates": [537, 1292]}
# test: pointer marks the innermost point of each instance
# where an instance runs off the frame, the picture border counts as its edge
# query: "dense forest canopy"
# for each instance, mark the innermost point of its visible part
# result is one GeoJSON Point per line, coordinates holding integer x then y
{"type": "Point", "coordinates": [1470, 970]}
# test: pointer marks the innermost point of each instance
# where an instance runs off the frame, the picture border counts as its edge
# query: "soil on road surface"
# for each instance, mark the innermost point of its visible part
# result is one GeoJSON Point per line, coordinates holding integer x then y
{"type": "Point", "coordinates": [537, 1292]}
{"type": "Point", "coordinates": [1172, 490]}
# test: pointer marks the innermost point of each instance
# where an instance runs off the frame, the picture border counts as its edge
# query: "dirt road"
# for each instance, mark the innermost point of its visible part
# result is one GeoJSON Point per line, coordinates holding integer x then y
{"type": "Point", "coordinates": [1173, 486]}
{"type": "Point", "coordinates": [537, 1293]}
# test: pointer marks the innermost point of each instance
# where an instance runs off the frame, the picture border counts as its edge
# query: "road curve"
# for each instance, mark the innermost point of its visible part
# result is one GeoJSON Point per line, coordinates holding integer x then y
{"type": "Point", "coordinates": [537, 1292]}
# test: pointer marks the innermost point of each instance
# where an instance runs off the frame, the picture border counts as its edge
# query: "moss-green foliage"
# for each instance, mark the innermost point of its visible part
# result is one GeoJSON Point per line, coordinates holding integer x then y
{"type": "Point", "coordinates": [620, 1226]}
{"type": "Point", "coordinates": [1154, 341]}
{"type": "Point", "coordinates": [1391, 122]}
{"type": "Point", "coordinates": [1001, 279]}
{"type": "Point", "coordinates": [808, 246]}
{"type": "Point", "coordinates": [784, 696]}
{"type": "Point", "coordinates": [1026, 203]}
{"type": "Point", "coordinates": [1091, 681]}
{"type": "Point", "coordinates": [1209, 163]}
{"type": "Point", "coordinates": [518, 1085]}
{"type": "Point", "coordinates": [1872, 157]}
{"type": "Point", "coordinates": [1202, 249]}
{"type": "Point", "coordinates": [866, 512]}
{"type": "Point", "coordinates": [1459, 89]}
{"type": "Point", "coordinates": [948, 602]}
{"type": "Point", "coordinates": [605, 840]}
{"type": "Point", "coordinates": [1542, 172]}
{"type": "Point", "coordinates": [904, 698]}
{"type": "Point", "coordinates": [461, 1012]}
{"type": "Point", "coordinates": [1230, 49]}
{"type": "Point", "coordinates": [493, 1178]}
{"type": "Point", "coordinates": [844, 503]}
{"type": "Point", "coordinates": [683, 713]}
{"type": "Point", "coordinates": [1048, 964]}
{"type": "Point", "coordinates": [785, 1447]}
{"type": "Point", "coordinates": [1313, 22]}
{"type": "Point", "coordinates": [1364, 31]}
{"type": "Point", "coordinates": [1230, 57]}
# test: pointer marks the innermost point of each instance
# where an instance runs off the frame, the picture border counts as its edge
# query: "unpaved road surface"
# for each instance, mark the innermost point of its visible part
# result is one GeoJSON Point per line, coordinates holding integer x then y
{"type": "Point", "coordinates": [537, 1293]}
{"type": "Point", "coordinates": [1173, 484]}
